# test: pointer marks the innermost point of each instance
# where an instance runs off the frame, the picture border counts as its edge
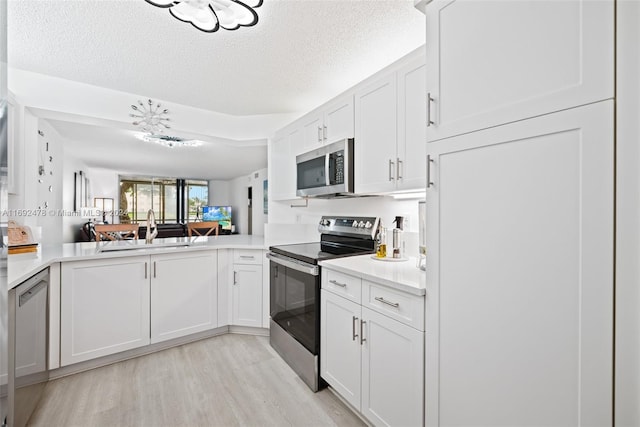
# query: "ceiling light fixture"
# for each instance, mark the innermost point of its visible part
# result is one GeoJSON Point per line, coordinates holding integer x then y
{"type": "Point", "coordinates": [211, 15]}
{"type": "Point", "coordinates": [170, 141]}
{"type": "Point", "coordinates": [151, 119]}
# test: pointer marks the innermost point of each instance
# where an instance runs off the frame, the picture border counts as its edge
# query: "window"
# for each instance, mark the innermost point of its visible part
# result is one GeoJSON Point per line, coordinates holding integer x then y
{"type": "Point", "coordinates": [138, 195]}
{"type": "Point", "coordinates": [198, 194]}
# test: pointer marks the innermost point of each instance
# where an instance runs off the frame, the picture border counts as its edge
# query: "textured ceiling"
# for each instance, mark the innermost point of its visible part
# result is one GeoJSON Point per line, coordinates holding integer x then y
{"type": "Point", "coordinates": [300, 54]}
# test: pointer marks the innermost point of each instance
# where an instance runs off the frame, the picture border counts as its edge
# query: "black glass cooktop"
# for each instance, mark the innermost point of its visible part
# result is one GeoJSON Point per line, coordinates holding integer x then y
{"type": "Point", "coordinates": [330, 247]}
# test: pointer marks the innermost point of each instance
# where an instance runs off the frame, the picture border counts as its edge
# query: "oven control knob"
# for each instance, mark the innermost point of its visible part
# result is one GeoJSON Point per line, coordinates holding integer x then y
{"type": "Point", "coordinates": [368, 225]}
{"type": "Point", "coordinates": [354, 224]}
{"type": "Point", "coordinates": [325, 222]}
{"type": "Point", "coordinates": [361, 224]}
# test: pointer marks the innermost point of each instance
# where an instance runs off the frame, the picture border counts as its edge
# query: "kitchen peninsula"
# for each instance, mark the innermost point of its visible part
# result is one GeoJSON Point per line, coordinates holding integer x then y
{"type": "Point", "coordinates": [110, 301]}
{"type": "Point", "coordinates": [25, 265]}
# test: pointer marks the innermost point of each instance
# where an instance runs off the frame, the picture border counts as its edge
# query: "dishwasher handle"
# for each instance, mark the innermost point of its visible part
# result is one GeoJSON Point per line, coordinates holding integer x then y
{"type": "Point", "coordinates": [35, 284]}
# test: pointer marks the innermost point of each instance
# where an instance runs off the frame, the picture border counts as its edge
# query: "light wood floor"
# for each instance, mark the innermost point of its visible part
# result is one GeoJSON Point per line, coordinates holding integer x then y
{"type": "Point", "coordinates": [230, 380]}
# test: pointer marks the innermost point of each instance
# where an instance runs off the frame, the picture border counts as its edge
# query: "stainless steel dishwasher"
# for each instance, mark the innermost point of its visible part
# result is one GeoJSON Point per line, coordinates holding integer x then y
{"type": "Point", "coordinates": [28, 344]}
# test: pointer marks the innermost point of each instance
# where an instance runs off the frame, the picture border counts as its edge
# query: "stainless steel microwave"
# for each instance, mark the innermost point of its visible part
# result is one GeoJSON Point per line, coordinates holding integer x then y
{"type": "Point", "coordinates": [326, 171]}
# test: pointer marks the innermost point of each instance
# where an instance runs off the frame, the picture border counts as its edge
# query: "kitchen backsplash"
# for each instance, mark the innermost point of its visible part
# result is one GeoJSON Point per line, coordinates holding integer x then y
{"type": "Point", "coordinates": [288, 224]}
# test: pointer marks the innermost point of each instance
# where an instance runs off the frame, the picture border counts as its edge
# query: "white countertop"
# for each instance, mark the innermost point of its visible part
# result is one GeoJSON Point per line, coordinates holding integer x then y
{"type": "Point", "coordinates": [403, 275]}
{"type": "Point", "coordinates": [23, 266]}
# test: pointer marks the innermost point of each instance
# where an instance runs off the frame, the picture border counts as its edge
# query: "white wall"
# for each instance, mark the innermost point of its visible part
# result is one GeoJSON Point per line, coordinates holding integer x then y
{"type": "Point", "coordinates": [48, 189]}
{"type": "Point", "coordinates": [627, 338]}
{"type": "Point", "coordinates": [70, 224]}
{"type": "Point", "coordinates": [219, 193]}
{"type": "Point", "coordinates": [238, 199]}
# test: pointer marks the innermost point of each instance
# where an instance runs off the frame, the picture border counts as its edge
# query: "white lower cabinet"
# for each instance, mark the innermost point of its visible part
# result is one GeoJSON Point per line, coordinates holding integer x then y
{"type": "Point", "coordinates": [104, 307]}
{"type": "Point", "coordinates": [246, 291]}
{"type": "Point", "coordinates": [392, 371]}
{"type": "Point", "coordinates": [374, 362]}
{"type": "Point", "coordinates": [340, 346]}
{"type": "Point", "coordinates": [109, 306]}
{"type": "Point", "coordinates": [184, 295]}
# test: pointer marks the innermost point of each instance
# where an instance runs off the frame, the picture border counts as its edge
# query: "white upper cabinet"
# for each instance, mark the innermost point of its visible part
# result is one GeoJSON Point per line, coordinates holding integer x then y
{"type": "Point", "coordinates": [329, 123]}
{"type": "Point", "coordinates": [312, 127]}
{"type": "Point", "coordinates": [386, 114]}
{"type": "Point", "coordinates": [376, 136]}
{"type": "Point", "coordinates": [496, 62]}
{"type": "Point", "coordinates": [338, 119]}
{"type": "Point", "coordinates": [391, 131]}
{"type": "Point", "coordinates": [412, 125]}
{"type": "Point", "coordinates": [520, 273]}
{"type": "Point", "coordinates": [282, 164]}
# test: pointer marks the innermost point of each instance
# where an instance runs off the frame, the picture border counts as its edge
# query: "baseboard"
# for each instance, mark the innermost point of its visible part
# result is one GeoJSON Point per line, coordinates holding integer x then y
{"type": "Point", "coordinates": [249, 330]}
{"type": "Point", "coordinates": [348, 405]}
{"type": "Point", "coordinates": [136, 352]}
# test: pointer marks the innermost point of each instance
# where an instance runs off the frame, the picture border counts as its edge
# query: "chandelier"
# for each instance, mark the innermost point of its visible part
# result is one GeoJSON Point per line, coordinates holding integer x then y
{"type": "Point", "coordinates": [150, 118]}
{"type": "Point", "coordinates": [211, 15]}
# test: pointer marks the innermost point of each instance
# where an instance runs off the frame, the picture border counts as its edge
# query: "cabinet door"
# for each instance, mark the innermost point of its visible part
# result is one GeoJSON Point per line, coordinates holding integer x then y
{"type": "Point", "coordinates": [375, 141]}
{"type": "Point", "coordinates": [338, 120]}
{"type": "Point", "coordinates": [495, 62]}
{"type": "Point", "coordinates": [392, 371]}
{"type": "Point", "coordinates": [104, 307]}
{"type": "Point", "coordinates": [412, 126]}
{"type": "Point", "coordinates": [519, 273]}
{"type": "Point", "coordinates": [247, 295]}
{"type": "Point", "coordinates": [340, 346]}
{"type": "Point", "coordinates": [183, 294]}
{"type": "Point", "coordinates": [282, 169]}
{"type": "Point", "coordinates": [312, 131]}
{"type": "Point", "coordinates": [225, 278]}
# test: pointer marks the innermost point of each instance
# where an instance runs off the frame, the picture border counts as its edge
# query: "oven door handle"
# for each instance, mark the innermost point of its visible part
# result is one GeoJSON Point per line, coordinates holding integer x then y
{"type": "Point", "coordinates": [294, 264]}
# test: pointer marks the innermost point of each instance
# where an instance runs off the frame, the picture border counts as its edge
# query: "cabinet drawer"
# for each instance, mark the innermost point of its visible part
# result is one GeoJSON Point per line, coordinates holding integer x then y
{"type": "Point", "coordinates": [247, 256]}
{"type": "Point", "coordinates": [406, 308]}
{"type": "Point", "coordinates": [342, 284]}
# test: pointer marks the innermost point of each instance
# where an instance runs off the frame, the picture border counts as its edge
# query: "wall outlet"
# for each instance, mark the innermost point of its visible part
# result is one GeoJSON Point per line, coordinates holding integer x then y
{"type": "Point", "coordinates": [406, 224]}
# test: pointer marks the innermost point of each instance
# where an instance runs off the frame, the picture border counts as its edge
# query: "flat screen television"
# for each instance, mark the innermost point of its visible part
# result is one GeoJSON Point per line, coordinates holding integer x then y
{"type": "Point", "coordinates": [222, 214]}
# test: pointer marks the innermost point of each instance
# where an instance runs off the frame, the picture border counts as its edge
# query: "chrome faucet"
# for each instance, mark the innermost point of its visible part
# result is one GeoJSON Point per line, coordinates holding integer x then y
{"type": "Point", "coordinates": [151, 223]}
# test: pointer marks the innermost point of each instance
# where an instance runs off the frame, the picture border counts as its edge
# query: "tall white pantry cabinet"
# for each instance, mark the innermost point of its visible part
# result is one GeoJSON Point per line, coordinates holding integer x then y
{"type": "Point", "coordinates": [520, 212]}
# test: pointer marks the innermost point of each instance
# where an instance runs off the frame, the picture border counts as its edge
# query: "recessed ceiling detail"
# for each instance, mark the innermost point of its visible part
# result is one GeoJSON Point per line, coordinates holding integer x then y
{"type": "Point", "coordinates": [170, 141]}
{"type": "Point", "coordinates": [211, 15]}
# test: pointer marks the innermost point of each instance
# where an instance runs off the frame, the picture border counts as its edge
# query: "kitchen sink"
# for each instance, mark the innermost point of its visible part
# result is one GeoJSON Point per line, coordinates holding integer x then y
{"type": "Point", "coordinates": [132, 245]}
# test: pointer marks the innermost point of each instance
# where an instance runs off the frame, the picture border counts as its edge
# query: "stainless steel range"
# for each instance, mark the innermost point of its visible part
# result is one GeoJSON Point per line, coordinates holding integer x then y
{"type": "Point", "coordinates": [295, 289]}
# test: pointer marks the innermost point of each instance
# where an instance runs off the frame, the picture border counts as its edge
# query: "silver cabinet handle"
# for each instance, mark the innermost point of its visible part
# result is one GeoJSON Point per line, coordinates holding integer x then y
{"type": "Point", "coordinates": [353, 325]}
{"type": "Point", "coordinates": [398, 164]}
{"type": "Point", "coordinates": [145, 270]}
{"type": "Point", "coordinates": [319, 134]}
{"type": "Point", "coordinates": [324, 132]}
{"type": "Point", "coordinates": [327, 169]}
{"type": "Point", "coordinates": [429, 161]}
{"type": "Point", "coordinates": [247, 257]}
{"type": "Point", "coordinates": [429, 101]}
{"type": "Point", "coordinates": [154, 269]}
{"type": "Point", "coordinates": [342, 285]}
{"type": "Point", "coordinates": [390, 170]}
{"type": "Point", "coordinates": [384, 301]}
{"type": "Point", "coordinates": [235, 277]}
{"type": "Point", "coordinates": [362, 338]}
